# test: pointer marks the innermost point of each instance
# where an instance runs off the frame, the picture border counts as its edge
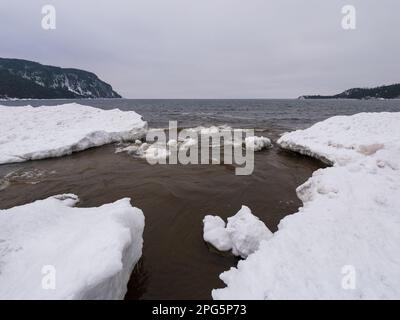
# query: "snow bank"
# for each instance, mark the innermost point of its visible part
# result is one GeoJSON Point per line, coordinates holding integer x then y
{"type": "Point", "coordinates": [344, 242]}
{"type": "Point", "coordinates": [243, 233]}
{"type": "Point", "coordinates": [28, 133]}
{"type": "Point", "coordinates": [92, 250]}
{"type": "Point", "coordinates": [258, 143]}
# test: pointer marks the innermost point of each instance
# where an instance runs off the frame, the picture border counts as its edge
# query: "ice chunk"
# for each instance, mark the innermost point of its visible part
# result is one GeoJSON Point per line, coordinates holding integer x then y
{"type": "Point", "coordinates": [51, 250]}
{"type": "Point", "coordinates": [28, 133]}
{"type": "Point", "coordinates": [156, 152]}
{"type": "Point", "coordinates": [246, 232]}
{"type": "Point", "coordinates": [258, 143]}
{"type": "Point", "coordinates": [215, 233]}
{"type": "Point", "coordinates": [243, 233]}
{"type": "Point", "coordinates": [188, 143]}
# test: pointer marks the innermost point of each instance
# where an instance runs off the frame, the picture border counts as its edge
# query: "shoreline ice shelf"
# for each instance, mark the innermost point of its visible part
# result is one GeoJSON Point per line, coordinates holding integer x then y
{"type": "Point", "coordinates": [28, 133]}
{"type": "Point", "coordinates": [349, 225]}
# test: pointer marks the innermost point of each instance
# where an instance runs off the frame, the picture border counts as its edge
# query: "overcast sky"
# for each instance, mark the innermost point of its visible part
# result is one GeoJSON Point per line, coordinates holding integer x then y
{"type": "Point", "coordinates": [211, 48]}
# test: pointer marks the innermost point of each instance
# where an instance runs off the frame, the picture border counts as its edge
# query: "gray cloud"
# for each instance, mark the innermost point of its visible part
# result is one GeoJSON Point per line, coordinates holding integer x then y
{"type": "Point", "coordinates": [211, 48]}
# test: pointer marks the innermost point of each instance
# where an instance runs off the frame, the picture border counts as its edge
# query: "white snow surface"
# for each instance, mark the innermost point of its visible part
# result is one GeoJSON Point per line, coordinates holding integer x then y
{"type": "Point", "coordinates": [28, 133]}
{"type": "Point", "coordinates": [92, 250]}
{"type": "Point", "coordinates": [242, 234]}
{"type": "Point", "coordinates": [344, 242]}
{"type": "Point", "coordinates": [343, 139]}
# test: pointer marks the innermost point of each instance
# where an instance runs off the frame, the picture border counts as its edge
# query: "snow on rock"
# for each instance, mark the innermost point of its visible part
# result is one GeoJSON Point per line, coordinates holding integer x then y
{"type": "Point", "coordinates": [242, 234]}
{"type": "Point", "coordinates": [344, 242]}
{"type": "Point", "coordinates": [258, 143]}
{"type": "Point", "coordinates": [28, 133]}
{"type": "Point", "coordinates": [91, 250]}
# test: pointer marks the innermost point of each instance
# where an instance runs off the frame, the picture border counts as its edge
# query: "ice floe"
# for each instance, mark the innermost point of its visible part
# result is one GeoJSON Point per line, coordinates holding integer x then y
{"type": "Point", "coordinates": [258, 143]}
{"type": "Point", "coordinates": [161, 149]}
{"type": "Point", "coordinates": [28, 133]}
{"type": "Point", "coordinates": [51, 250]}
{"type": "Point", "coordinates": [242, 234]}
{"type": "Point", "coordinates": [344, 242]}
{"type": "Point", "coordinates": [152, 152]}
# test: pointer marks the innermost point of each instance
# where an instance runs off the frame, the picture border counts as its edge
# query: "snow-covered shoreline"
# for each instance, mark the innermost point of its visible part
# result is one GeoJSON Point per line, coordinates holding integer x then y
{"type": "Point", "coordinates": [32, 133]}
{"type": "Point", "coordinates": [344, 242]}
{"type": "Point", "coordinates": [51, 250]}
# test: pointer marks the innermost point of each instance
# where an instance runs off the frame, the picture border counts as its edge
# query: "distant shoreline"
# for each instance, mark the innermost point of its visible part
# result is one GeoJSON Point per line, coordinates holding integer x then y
{"type": "Point", "coordinates": [378, 93]}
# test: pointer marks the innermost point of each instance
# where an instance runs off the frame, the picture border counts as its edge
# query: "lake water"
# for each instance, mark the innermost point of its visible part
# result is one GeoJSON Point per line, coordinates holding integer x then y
{"type": "Point", "coordinates": [262, 114]}
{"type": "Point", "coordinates": [176, 263]}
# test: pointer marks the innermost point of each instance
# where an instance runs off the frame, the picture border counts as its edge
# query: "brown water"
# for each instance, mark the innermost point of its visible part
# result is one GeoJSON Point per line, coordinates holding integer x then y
{"type": "Point", "coordinates": [176, 263]}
